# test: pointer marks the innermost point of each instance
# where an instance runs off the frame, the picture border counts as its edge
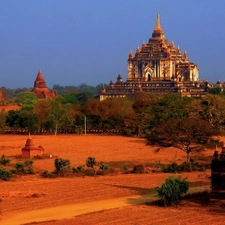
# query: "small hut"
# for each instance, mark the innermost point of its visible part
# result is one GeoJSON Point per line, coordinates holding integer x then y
{"type": "Point", "coordinates": [30, 151]}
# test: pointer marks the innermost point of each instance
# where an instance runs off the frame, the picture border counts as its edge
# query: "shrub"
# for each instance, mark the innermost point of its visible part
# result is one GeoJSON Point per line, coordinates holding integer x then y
{"type": "Point", "coordinates": [20, 167]}
{"type": "Point", "coordinates": [90, 172]}
{"type": "Point", "coordinates": [47, 174]}
{"type": "Point", "coordinates": [104, 166]}
{"type": "Point", "coordinates": [138, 169]}
{"type": "Point", "coordinates": [172, 190]}
{"type": "Point", "coordinates": [61, 165]}
{"type": "Point", "coordinates": [5, 174]}
{"type": "Point", "coordinates": [4, 160]}
{"type": "Point", "coordinates": [170, 168]}
{"type": "Point", "coordinates": [30, 170]}
{"type": "Point", "coordinates": [29, 162]}
{"type": "Point", "coordinates": [79, 169]}
{"type": "Point", "coordinates": [125, 167]}
{"type": "Point", "coordinates": [104, 169]}
{"type": "Point", "coordinates": [90, 162]}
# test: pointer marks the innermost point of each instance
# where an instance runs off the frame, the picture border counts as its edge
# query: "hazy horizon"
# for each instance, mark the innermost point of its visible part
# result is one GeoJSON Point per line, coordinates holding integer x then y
{"type": "Point", "coordinates": [86, 41]}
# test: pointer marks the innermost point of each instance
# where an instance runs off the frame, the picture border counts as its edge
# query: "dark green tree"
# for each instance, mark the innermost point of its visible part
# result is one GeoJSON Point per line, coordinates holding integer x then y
{"type": "Point", "coordinates": [172, 190]}
{"type": "Point", "coordinates": [90, 162]}
{"type": "Point", "coordinates": [61, 165]}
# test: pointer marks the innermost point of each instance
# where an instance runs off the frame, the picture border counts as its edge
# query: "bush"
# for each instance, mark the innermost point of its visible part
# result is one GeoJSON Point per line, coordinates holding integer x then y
{"type": "Point", "coordinates": [90, 162]}
{"type": "Point", "coordinates": [20, 167]}
{"type": "Point", "coordinates": [61, 165]}
{"type": "Point", "coordinates": [172, 190]}
{"type": "Point", "coordinates": [104, 166]}
{"type": "Point", "coordinates": [138, 169]}
{"type": "Point", "coordinates": [5, 174]}
{"type": "Point", "coordinates": [29, 162]}
{"type": "Point", "coordinates": [104, 169]}
{"type": "Point", "coordinates": [4, 160]}
{"type": "Point", "coordinates": [125, 167]}
{"type": "Point", "coordinates": [47, 174]}
{"type": "Point", "coordinates": [79, 169]}
{"type": "Point", "coordinates": [90, 172]}
{"type": "Point", "coordinates": [170, 168]}
{"type": "Point", "coordinates": [184, 167]}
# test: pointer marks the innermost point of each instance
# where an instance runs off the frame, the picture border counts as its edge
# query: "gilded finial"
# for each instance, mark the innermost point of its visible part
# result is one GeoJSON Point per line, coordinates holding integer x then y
{"type": "Point", "coordinates": [185, 55]}
{"type": "Point", "coordinates": [158, 26]}
{"type": "Point", "coordinates": [173, 45]}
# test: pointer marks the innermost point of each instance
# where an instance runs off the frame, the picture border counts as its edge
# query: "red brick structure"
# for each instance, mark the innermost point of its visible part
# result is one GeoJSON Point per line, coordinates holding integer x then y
{"type": "Point", "coordinates": [30, 151]}
{"type": "Point", "coordinates": [218, 174]}
{"type": "Point", "coordinates": [40, 88]}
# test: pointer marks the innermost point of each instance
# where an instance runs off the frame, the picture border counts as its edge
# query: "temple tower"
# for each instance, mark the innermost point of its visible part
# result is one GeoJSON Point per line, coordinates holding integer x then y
{"type": "Point", "coordinates": [40, 88]}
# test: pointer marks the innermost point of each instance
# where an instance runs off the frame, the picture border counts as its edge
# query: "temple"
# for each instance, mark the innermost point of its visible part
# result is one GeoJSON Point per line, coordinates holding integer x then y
{"type": "Point", "coordinates": [40, 88]}
{"type": "Point", "coordinates": [30, 151]}
{"type": "Point", "coordinates": [158, 67]}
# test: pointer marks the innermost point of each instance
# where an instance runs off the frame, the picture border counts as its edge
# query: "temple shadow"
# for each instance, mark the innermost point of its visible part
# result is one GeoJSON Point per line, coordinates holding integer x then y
{"type": "Point", "coordinates": [139, 190]}
{"type": "Point", "coordinates": [144, 195]}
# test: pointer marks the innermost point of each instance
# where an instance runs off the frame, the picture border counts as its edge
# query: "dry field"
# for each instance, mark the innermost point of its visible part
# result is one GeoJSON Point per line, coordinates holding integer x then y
{"type": "Point", "coordinates": [110, 199]}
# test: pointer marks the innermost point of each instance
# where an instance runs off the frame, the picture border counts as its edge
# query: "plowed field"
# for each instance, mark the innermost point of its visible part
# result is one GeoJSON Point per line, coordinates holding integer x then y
{"type": "Point", "coordinates": [108, 199]}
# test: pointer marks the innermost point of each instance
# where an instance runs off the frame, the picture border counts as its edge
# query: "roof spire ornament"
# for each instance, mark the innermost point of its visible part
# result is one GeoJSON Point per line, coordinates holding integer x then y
{"type": "Point", "coordinates": [158, 26]}
{"type": "Point", "coordinates": [138, 50]}
{"type": "Point", "coordinates": [173, 45]}
{"type": "Point", "coordinates": [185, 55]}
{"type": "Point", "coordinates": [130, 54]}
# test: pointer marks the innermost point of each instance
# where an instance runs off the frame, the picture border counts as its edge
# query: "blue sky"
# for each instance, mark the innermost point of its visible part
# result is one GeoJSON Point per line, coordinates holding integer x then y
{"type": "Point", "coordinates": [88, 41]}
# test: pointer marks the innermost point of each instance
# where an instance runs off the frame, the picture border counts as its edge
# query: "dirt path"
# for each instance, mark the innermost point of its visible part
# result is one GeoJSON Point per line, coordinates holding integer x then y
{"type": "Point", "coordinates": [72, 210]}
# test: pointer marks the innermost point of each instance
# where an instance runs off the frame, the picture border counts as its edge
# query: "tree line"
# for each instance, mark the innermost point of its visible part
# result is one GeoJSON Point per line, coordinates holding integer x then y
{"type": "Point", "coordinates": [168, 120]}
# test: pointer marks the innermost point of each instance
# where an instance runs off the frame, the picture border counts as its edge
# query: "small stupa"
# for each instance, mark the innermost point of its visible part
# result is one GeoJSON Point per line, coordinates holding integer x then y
{"type": "Point", "coordinates": [30, 151]}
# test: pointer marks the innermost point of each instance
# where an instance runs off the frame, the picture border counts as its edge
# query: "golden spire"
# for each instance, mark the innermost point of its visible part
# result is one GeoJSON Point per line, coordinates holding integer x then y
{"type": "Point", "coordinates": [158, 27]}
{"type": "Point", "coordinates": [185, 55]}
{"type": "Point", "coordinates": [173, 45]}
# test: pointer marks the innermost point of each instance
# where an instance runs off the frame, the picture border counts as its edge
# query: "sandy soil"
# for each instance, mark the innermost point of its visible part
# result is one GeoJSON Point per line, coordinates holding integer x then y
{"type": "Point", "coordinates": [30, 193]}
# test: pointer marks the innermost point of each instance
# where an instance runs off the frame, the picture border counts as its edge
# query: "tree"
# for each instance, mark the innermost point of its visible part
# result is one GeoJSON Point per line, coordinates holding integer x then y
{"type": "Point", "coordinates": [188, 135]}
{"type": "Point", "coordinates": [90, 162]}
{"type": "Point", "coordinates": [57, 114]}
{"type": "Point", "coordinates": [13, 119]}
{"type": "Point", "coordinates": [42, 110]}
{"type": "Point", "coordinates": [172, 190]}
{"type": "Point", "coordinates": [61, 165]}
{"type": "Point", "coordinates": [210, 108]}
{"type": "Point", "coordinates": [141, 106]}
{"type": "Point", "coordinates": [27, 118]}
{"type": "Point", "coordinates": [169, 106]}
{"type": "Point", "coordinates": [68, 98]}
{"type": "Point", "coordinates": [3, 115]}
{"type": "Point", "coordinates": [26, 97]}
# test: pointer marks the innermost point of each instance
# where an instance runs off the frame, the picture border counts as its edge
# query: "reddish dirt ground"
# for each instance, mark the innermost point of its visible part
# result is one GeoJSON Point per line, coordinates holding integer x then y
{"type": "Point", "coordinates": [9, 107]}
{"type": "Point", "coordinates": [23, 194]}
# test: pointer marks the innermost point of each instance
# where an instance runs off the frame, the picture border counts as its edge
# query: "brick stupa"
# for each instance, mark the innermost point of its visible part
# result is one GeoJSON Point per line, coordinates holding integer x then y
{"type": "Point", "coordinates": [30, 151]}
{"type": "Point", "coordinates": [40, 88]}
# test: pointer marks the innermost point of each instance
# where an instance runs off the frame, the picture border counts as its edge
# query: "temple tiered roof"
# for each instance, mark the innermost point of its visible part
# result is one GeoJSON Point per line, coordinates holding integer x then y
{"type": "Point", "coordinates": [158, 67]}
